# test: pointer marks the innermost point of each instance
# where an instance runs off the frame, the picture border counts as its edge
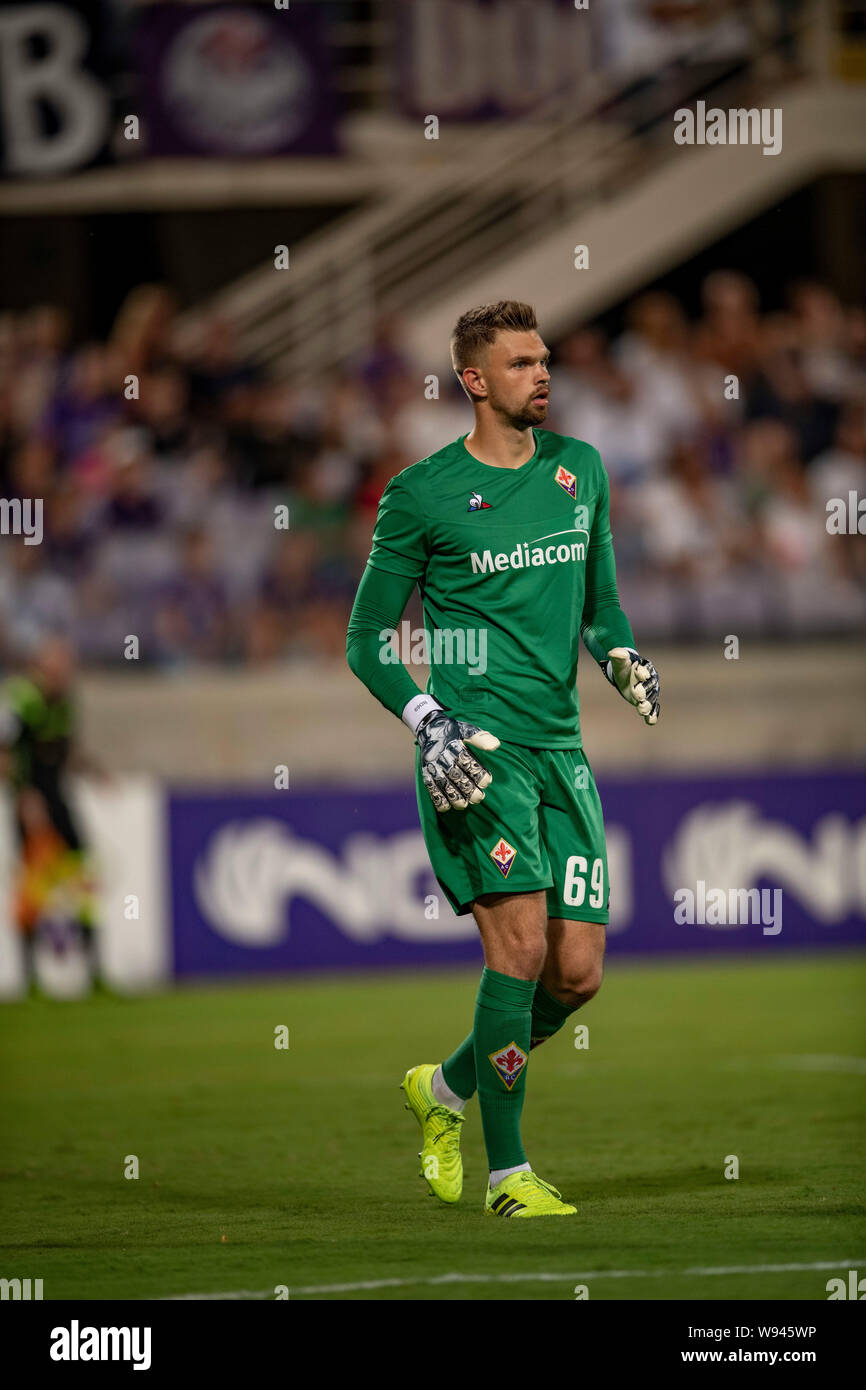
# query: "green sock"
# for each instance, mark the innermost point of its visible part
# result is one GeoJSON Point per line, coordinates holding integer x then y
{"type": "Point", "coordinates": [503, 1023]}
{"type": "Point", "coordinates": [459, 1070]}
{"type": "Point", "coordinates": [548, 1016]}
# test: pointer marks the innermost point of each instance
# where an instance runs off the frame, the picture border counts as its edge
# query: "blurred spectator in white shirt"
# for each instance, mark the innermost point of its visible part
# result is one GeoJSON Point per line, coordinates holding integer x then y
{"type": "Point", "coordinates": [594, 399]}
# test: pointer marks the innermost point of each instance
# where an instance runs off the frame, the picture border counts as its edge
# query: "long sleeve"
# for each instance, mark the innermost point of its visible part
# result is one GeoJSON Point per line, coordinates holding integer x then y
{"type": "Point", "coordinates": [377, 610]}
{"type": "Point", "coordinates": [604, 624]}
{"type": "Point", "coordinates": [398, 559]}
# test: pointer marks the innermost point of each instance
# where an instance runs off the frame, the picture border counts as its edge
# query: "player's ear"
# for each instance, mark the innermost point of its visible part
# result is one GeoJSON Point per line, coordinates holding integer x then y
{"type": "Point", "coordinates": [474, 395]}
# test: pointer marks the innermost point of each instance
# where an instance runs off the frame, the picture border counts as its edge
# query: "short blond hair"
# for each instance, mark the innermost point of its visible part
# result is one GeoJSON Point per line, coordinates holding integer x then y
{"type": "Point", "coordinates": [477, 329]}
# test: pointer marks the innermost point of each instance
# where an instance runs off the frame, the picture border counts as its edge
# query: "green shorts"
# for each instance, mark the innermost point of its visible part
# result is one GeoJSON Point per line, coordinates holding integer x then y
{"type": "Point", "coordinates": [540, 826]}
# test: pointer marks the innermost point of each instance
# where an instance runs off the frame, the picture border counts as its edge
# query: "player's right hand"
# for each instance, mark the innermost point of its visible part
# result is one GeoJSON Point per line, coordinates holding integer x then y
{"type": "Point", "coordinates": [451, 775]}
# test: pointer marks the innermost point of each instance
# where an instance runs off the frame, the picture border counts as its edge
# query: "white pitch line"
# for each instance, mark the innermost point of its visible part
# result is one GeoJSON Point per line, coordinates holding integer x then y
{"type": "Point", "coordinates": [822, 1061]}
{"type": "Point", "coordinates": [536, 1278]}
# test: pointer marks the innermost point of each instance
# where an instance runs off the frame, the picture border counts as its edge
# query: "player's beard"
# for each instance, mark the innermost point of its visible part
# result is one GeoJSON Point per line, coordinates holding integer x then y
{"type": "Point", "coordinates": [522, 419]}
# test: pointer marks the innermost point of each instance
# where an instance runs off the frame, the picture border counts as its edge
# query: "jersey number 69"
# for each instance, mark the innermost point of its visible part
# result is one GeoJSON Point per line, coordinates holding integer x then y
{"type": "Point", "coordinates": [574, 889]}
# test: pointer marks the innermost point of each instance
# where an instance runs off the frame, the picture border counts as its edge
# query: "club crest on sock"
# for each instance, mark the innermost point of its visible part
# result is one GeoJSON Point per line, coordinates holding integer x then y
{"type": "Point", "coordinates": [508, 1063]}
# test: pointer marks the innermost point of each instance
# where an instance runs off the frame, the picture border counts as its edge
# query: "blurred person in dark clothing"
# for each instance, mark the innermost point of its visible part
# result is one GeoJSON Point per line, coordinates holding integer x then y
{"type": "Point", "coordinates": [216, 367]}
{"type": "Point", "coordinates": [132, 503]}
{"type": "Point", "coordinates": [287, 589]}
{"type": "Point", "coordinates": [303, 600]}
{"type": "Point", "coordinates": [385, 361]}
{"type": "Point", "coordinates": [41, 338]}
{"type": "Point", "coordinates": [855, 345]}
{"type": "Point", "coordinates": [142, 336]}
{"type": "Point", "coordinates": [192, 612]}
{"type": "Point", "coordinates": [70, 530]}
{"type": "Point", "coordinates": [781, 389]}
{"type": "Point", "coordinates": [729, 332]}
{"type": "Point", "coordinates": [31, 470]}
{"type": "Point", "coordinates": [8, 436]}
{"type": "Point", "coordinates": [822, 334]}
{"type": "Point", "coordinates": [38, 747]}
{"type": "Point", "coordinates": [262, 445]}
{"type": "Point", "coordinates": [84, 404]}
{"type": "Point", "coordinates": [162, 412]}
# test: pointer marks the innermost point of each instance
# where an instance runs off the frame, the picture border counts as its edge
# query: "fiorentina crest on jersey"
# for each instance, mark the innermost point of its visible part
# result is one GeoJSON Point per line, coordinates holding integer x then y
{"type": "Point", "coordinates": [503, 855]}
{"type": "Point", "coordinates": [509, 1063]}
{"type": "Point", "coordinates": [567, 481]}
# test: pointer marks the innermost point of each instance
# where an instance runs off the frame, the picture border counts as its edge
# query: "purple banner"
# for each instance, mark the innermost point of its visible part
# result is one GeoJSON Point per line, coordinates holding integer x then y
{"type": "Point", "coordinates": [294, 881]}
{"type": "Point", "coordinates": [233, 80]}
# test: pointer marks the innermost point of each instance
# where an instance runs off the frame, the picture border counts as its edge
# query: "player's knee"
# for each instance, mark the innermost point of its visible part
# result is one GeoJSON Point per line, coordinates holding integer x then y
{"type": "Point", "coordinates": [591, 982]}
{"type": "Point", "coordinates": [527, 957]}
{"type": "Point", "coordinates": [579, 984]}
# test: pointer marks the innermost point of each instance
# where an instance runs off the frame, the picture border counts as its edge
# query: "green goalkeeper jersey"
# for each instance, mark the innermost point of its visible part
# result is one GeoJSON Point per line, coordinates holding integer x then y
{"type": "Point", "coordinates": [513, 566]}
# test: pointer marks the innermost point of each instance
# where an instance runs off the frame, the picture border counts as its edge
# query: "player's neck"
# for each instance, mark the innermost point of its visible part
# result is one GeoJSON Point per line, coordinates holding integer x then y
{"type": "Point", "coordinates": [500, 446]}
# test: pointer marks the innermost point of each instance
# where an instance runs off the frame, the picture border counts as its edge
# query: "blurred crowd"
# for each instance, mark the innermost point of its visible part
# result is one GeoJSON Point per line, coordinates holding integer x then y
{"type": "Point", "coordinates": [162, 464]}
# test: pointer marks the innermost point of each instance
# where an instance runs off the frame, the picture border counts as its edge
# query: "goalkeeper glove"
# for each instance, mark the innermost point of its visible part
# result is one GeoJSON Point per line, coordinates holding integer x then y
{"type": "Point", "coordinates": [636, 679]}
{"type": "Point", "coordinates": [450, 773]}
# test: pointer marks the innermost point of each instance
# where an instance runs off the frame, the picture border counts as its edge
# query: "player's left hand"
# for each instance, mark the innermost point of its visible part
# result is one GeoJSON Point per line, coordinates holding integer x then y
{"type": "Point", "coordinates": [636, 679]}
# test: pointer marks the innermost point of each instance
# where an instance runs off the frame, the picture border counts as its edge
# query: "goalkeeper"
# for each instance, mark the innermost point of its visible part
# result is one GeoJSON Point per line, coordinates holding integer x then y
{"type": "Point", "coordinates": [506, 533]}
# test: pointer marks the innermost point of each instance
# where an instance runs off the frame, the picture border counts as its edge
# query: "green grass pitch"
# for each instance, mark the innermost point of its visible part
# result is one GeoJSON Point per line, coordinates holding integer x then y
{"type": "Point", "coordinates": [262, 1167]}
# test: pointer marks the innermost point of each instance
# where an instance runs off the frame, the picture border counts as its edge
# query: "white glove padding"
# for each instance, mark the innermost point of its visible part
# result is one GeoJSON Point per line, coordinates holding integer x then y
{"type": "Point", "coordinates": [450, 773]}
{"type": "Point", "coordinates": [636, 679]}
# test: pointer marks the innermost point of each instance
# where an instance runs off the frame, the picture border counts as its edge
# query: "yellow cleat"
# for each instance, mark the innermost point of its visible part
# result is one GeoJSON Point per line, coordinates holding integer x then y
{"type": "Point", "coordinates": [525, 1194]}
{"type": "Point", "coordinates": [441, 1161]}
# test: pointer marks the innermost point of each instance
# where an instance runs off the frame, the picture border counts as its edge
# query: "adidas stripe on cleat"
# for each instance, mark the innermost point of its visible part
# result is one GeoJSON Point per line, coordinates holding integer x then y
{"type": "Point", "coordinates": [507, 1206]}
{"type": "Point", "coordinates": [526, 1194]}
